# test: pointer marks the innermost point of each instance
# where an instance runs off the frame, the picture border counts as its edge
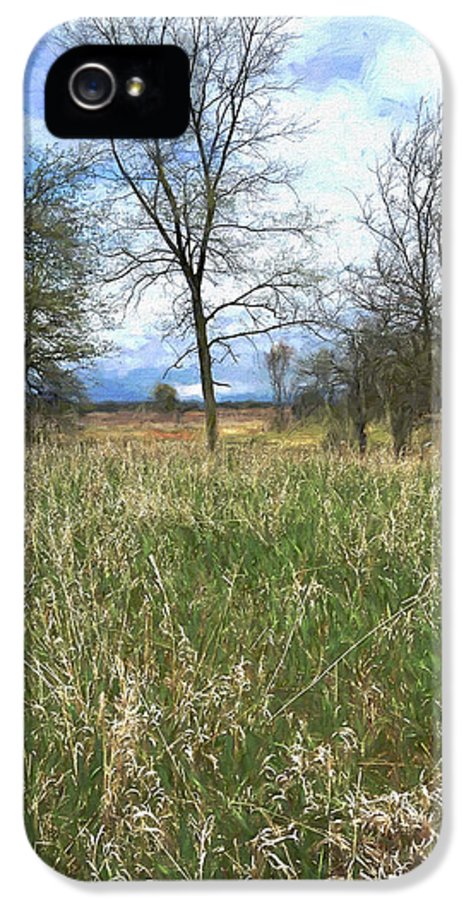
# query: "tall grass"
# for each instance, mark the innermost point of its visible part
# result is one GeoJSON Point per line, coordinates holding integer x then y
{"type": "Point", "coordinates": [232, 665]}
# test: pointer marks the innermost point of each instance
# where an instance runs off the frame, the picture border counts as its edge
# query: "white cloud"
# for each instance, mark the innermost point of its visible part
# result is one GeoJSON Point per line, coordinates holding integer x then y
{"type": "Point", "coordinates": [190, 391]}
{"type": "Point", "coordinates": [403, 72]}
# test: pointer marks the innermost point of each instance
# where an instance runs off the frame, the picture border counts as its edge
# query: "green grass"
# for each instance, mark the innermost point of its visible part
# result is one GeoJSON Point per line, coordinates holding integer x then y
{"type": "Point", "coordinates": [196, 706]}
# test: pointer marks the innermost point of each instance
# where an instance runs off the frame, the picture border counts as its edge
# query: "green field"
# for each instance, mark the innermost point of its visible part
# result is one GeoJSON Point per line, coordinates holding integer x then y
{"type": "Point", "coordinates": [232, 664]}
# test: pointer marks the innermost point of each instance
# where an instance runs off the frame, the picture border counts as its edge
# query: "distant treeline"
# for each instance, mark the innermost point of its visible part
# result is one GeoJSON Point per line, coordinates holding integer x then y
{"type": "Point", "coordinates": [184, 405]}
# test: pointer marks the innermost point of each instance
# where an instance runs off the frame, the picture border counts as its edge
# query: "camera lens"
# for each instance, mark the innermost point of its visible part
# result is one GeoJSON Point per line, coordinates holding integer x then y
{"type": "Point", "coordinates": [92, 86]}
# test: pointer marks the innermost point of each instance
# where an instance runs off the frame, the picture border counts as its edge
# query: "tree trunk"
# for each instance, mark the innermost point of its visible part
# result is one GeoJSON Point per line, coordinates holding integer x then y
{"type": "Point", "coordinates": [362, 438]}
{"type": "Point", "coordinates": [360, 414]}
{"type": "Point", "coordinates": [401, 426]}
{"type": "Point", "coordinates": [207, 383]}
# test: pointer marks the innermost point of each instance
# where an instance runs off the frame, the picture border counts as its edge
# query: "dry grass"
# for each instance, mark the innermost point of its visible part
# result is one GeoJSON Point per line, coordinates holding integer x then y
{"type": "Point", "coordinates": [232, 664]}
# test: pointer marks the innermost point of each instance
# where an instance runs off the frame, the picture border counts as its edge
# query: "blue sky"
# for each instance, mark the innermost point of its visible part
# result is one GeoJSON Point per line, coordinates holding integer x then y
{"type": "Point", "coordinates": [359, 78]}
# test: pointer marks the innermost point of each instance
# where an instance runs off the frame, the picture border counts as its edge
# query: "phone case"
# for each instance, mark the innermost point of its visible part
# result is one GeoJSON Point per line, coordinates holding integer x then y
{"type": "Point", "coordinates": [232, 622]}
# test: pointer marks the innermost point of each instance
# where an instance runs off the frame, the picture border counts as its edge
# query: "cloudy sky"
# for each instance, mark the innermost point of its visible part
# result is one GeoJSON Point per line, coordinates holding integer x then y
{"type": "Point", "coordinates": [359, 79]}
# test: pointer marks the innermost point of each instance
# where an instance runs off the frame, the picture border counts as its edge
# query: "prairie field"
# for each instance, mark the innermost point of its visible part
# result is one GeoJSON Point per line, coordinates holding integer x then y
{"type": "Point", "coordinates": [232, 663]}
{"type": "Point", "coordinates": [232, 398]}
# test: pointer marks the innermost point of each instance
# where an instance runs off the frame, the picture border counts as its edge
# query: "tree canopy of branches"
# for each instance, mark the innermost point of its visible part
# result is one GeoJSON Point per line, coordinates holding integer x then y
{"type": "Point", "coordinates": [382, 357]}
{"type": "Point", "coordinates": [61, 321]}
{"type": "Point", "coordinates": [215, 221]}
{"type": "Point", "coordinates": [400, 290]}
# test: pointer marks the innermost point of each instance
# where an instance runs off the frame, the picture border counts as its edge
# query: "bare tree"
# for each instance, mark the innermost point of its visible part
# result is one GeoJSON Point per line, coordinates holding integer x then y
{"type": "Point", "coordinates": [400, 290]}
{"type": "Point", "coordinates": [279, 359]}
{"type": "Point", "coordinates": [403, 218]}
{"type": "Point", "coordinates": [216, 222]}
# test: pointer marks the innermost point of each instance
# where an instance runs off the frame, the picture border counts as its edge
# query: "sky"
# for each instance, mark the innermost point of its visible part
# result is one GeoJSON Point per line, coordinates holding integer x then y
{"type": "Point", "coordinates": [359, 78]}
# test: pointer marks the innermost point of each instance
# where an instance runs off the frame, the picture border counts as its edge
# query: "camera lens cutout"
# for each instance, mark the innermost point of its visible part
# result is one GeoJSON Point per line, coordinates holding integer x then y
{"type": "Point", "coordinates": [92, 86]}
{"type": "Point", "coordinates": [123, 91]}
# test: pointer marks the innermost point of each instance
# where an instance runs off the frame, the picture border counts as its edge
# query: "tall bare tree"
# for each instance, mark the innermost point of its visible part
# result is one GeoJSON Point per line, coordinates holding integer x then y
{"type": "Point", "coordinates": [216, 222]}
{"type": "Point", "coordinates": [400, 290]}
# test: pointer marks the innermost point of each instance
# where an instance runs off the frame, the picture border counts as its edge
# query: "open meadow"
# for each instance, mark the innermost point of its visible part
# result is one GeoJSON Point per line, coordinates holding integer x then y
{"type": "Point", "coordinates": [232, 661]}
{"type": "Point", "coordinates": [232, 398]}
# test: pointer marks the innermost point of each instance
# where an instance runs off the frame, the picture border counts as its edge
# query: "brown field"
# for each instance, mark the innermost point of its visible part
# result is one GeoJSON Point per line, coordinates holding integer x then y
{"type": "Point", "coordinates": [186, 426]}
{"type": "Point", "coordinates": [235, 425]}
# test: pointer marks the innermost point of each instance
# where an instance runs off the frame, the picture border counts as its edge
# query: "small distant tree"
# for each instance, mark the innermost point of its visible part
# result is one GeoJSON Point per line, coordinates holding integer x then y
{"type": "Point", "coordinates": [165, 398]}
{"type": "Point", "coordinates": [278, 361]}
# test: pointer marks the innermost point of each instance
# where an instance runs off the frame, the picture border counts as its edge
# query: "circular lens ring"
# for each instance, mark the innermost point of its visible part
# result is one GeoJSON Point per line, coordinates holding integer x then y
{"type": "Point", "coordinates": [83, 103]}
